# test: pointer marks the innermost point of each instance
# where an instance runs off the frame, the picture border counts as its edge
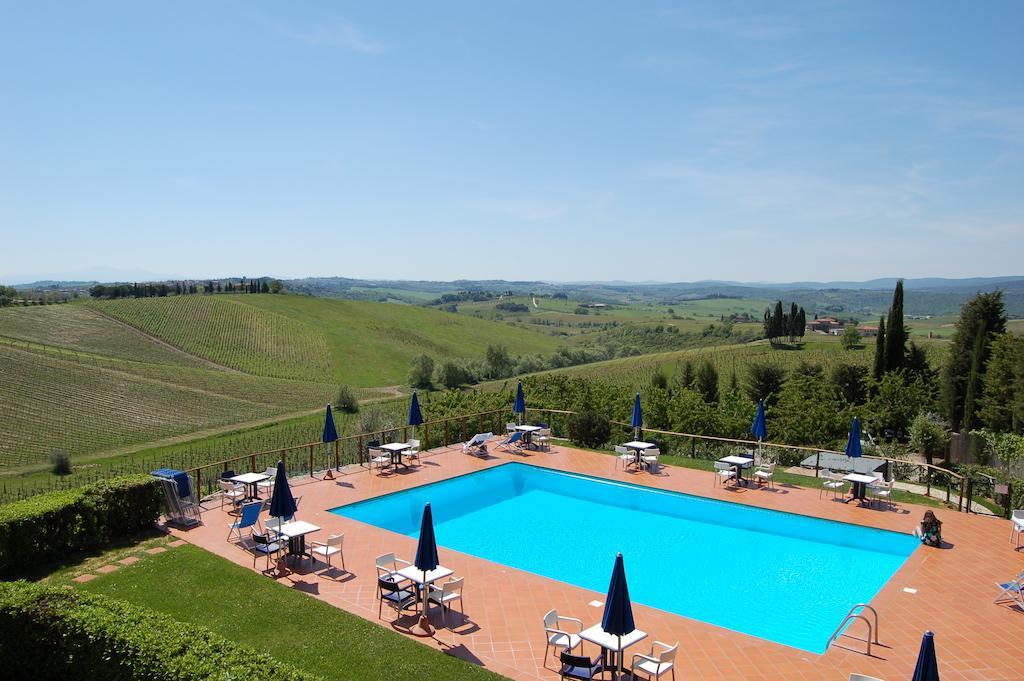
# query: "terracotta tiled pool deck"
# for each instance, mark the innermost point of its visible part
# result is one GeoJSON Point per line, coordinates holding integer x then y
{"type": "Point", "coordinates": [975, 638]}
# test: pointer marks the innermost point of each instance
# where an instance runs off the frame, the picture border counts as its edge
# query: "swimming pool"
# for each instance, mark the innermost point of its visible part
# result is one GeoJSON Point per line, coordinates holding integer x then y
{"type": "Point", "coordinates": [779, 576]}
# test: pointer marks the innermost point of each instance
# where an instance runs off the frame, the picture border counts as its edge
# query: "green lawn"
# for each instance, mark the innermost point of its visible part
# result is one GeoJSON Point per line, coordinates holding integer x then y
{"type": "Point", "coordinates": [192, 585]}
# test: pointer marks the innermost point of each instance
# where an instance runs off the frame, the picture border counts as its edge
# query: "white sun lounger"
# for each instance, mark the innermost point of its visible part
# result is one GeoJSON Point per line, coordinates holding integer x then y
{"type": "Point", "coordinates": [477, 444]}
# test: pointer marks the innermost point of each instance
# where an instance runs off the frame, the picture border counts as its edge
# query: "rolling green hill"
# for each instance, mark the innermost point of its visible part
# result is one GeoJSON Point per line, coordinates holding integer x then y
{"type": "Point", "coordinates": [361, 343]}
{"type": "Point", "coordinates": [98, 378]}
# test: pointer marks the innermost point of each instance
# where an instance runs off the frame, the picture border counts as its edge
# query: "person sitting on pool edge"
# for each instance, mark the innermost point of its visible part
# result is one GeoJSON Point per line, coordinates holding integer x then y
{"type": "Point", "coordinates": [929, 530]}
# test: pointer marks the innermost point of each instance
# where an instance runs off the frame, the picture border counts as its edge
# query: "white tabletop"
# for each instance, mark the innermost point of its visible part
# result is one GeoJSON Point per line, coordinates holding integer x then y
{"type": "Point", "coordinates": [250, 478]}
{"type": "Point", "coordinates": [635, 444]}
{"type": "Point", "coordinates": [860, 477]}
{"type": "Point", "coordinates": [414, 574]}
{"type": "Point", "coordinates": [396, 446]}
{"type": "Point", "coordinates": [736, 460]}
{"type": "Point", "coordinates": [528, 428]}
{"type": "Point", "coordinates": [596, 634]}
{"type": "Point", "coordinates": [296, 528]}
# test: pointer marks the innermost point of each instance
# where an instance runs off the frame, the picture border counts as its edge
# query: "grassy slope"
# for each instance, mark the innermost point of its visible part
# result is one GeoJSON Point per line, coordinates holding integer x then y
{"type": "Point", "coordinates": [374, 343]}
{"type": "Point", "coordinates": [78, 328]}
{"type": "Point", "coordinates": [293, 627]}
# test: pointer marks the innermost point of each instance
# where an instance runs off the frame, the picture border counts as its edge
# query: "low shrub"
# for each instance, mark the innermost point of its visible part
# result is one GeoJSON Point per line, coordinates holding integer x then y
{"type": "Point", "coordinates": [60, 463]}
{"type": "Point", "coordinates": [47, 527]}
{"type": "Point", "coordinates": [589, 429]}
{"type": "Point", "coordinates": [345, 400]}
{"type": "Point", "coordinates": [53, 633]}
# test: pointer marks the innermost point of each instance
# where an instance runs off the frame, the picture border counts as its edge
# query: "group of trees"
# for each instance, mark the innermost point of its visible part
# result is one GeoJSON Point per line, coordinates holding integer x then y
{"type": "Point", "coordinates": [780, 325]}
{"type": "Point", "coordinates": [7, 295]}
{"type": "Point", "coordinates": [178, 288]}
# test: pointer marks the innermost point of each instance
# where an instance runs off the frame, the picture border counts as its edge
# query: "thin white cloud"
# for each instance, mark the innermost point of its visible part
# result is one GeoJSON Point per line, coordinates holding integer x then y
{"type": "Point", "coordinates": [339, 33]}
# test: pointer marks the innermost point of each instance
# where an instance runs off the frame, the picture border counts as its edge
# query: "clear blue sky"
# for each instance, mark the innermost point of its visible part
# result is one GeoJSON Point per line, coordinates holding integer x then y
{"type": "Point", "coordinates": [554, 140]}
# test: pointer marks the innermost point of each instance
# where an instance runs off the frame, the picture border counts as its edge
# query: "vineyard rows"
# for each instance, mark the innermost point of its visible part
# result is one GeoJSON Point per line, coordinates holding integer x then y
{"type": "Point", "coordinates": [182, 456]}
{"type": "Point", "coordinates": [78, 328]}
{"type": "Point", "coordinates": [230, 333]}
{"type": "Point", "coordinates": [51, 403]}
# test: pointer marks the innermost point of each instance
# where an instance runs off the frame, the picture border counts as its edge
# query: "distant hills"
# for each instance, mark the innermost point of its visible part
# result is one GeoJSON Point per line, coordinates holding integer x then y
{"type": "Point", "coordinates": [925, 296]}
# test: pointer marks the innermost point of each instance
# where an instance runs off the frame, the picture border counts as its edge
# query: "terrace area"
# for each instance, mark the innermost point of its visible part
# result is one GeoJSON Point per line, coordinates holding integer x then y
{"type": "Point", "coordinates": [947, 590]}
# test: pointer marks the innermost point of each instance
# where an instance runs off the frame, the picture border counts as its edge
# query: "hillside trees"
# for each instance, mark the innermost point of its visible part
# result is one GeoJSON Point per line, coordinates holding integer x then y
{"type": "Point", "coordinates": [707, 382]}
{"type": "Point", "coordinates": [789, 325]}
{"type": "Point", "coordinates": [851, 338]}
{"type": "Point", "coordinates": [7, 295]}
{"type": "Point", "coordinates": [421, 374]}
{"type": "Point", "coordinates": [1002, 404]}
{"type": "Point", "coordinates": [764, 382]}
{"type": "Point", "coordinates": [981, 318]}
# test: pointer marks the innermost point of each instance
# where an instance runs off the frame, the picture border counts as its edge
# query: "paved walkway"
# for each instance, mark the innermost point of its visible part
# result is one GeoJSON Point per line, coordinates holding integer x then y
{"type": "Point", "coordinates": [953, 587]}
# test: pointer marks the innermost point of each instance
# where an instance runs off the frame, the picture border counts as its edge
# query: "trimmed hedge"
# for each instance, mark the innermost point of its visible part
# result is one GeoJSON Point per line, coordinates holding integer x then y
{"type": "Point", "coordinates": [54, 633]}
{"type": "Point", "coordinates": [50, 526]}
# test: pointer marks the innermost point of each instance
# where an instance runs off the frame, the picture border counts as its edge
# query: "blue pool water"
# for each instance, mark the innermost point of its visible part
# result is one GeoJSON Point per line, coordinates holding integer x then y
{"type": "Point", "coordinates": [779, 576]}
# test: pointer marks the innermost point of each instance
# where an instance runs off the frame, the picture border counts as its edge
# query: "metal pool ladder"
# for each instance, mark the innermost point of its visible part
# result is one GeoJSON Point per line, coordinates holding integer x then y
{"type": "Point", "coordinates": [857, 613]}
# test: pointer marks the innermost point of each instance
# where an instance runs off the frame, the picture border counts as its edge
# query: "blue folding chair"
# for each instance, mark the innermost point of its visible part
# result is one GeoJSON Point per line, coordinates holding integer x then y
{"type": "Point", "coordinates": [250, 518]}
{"type": "Point", "coordinates": [514, 441]}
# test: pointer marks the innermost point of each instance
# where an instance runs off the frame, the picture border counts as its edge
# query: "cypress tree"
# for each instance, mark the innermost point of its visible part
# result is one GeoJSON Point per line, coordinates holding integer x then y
{"type": "Point", "coordinates": [801, 327]}
{"type": "Point", "coordinates": [778, 322]}
{"type": "Point", "coordinates": [896, 334]}
{"type": "Point", "coordinates": [879, 350]}
{"type": "Point", "coordinates": [972, 398]}
{"type": "Point", "coordinates": [982, 316]}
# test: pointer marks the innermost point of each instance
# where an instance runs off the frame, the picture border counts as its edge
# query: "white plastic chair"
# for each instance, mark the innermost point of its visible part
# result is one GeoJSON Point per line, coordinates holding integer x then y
{"type": "Point", "coordinates": [623, 456]}
{"type": "Point", "coordinates": [414, 449]}
{"type": "Point", "coordinates": [833, 482]}
{"type": "Point", "coordinates": [652, 459]}
{"type": "Point", "coordinates": [766, 473]}
{"type": "Point", "coordinates": [542, 438]}
{"type": "Point", "coordinates": [883, 491]}
{"type": "Point", "coordinates": [388, 567]}
{"type": "Point", "coordinates": [379, 458]}
{"type": "Point", "coordinates": [557, 637]}
{"type": "Point", "coordinates": [268, 484]}
{"type": "Point", "coordinates": [661, 660]}
{"type": "Point", "coordinates": [724, 472]}
{"type": "Point", "coordinates": [445, 595]}
{"type": "Point", "coordinates": [327, 549]}
{"type": "Point", "coordinates": [510, 428]}
{"type": "Point", "coordinates": [1016, 526]}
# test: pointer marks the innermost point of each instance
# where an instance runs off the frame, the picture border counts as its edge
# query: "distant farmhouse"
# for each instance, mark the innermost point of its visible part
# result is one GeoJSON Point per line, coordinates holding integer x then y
{"type": "Point", "coordinates": [867, 331]}
{"type": "Point", "coordinates": [826, 325]}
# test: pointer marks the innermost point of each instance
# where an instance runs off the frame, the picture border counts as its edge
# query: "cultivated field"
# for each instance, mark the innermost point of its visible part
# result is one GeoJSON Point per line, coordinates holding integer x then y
{"type": "Point", "coordinates": [635, 372]}
{"type": "Point", "coordinates": [228, 332]}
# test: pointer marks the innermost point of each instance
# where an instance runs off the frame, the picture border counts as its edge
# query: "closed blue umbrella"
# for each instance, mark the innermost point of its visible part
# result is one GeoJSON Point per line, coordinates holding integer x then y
{"type": "Point", "coordinates": [282, 503]}
{"type": "Point", "coordinates": [759, 429]}
{"type": "Point", "coordinates": [426, 557]}
{"type": "Point", "coordinates": [330, 432]}
{"type": "Point", "coordinates": [927, 668]}
{"type": "Point", "coordinates": [519, 406]}
{"type": "Point", "coordinates": [853, 443]}
{"type": "Point", "coordinates": [415, 415]}
{"type": "Point", "coordinates": [618, 611]}
{"type": "Point", "coordinates": [638, 417]}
